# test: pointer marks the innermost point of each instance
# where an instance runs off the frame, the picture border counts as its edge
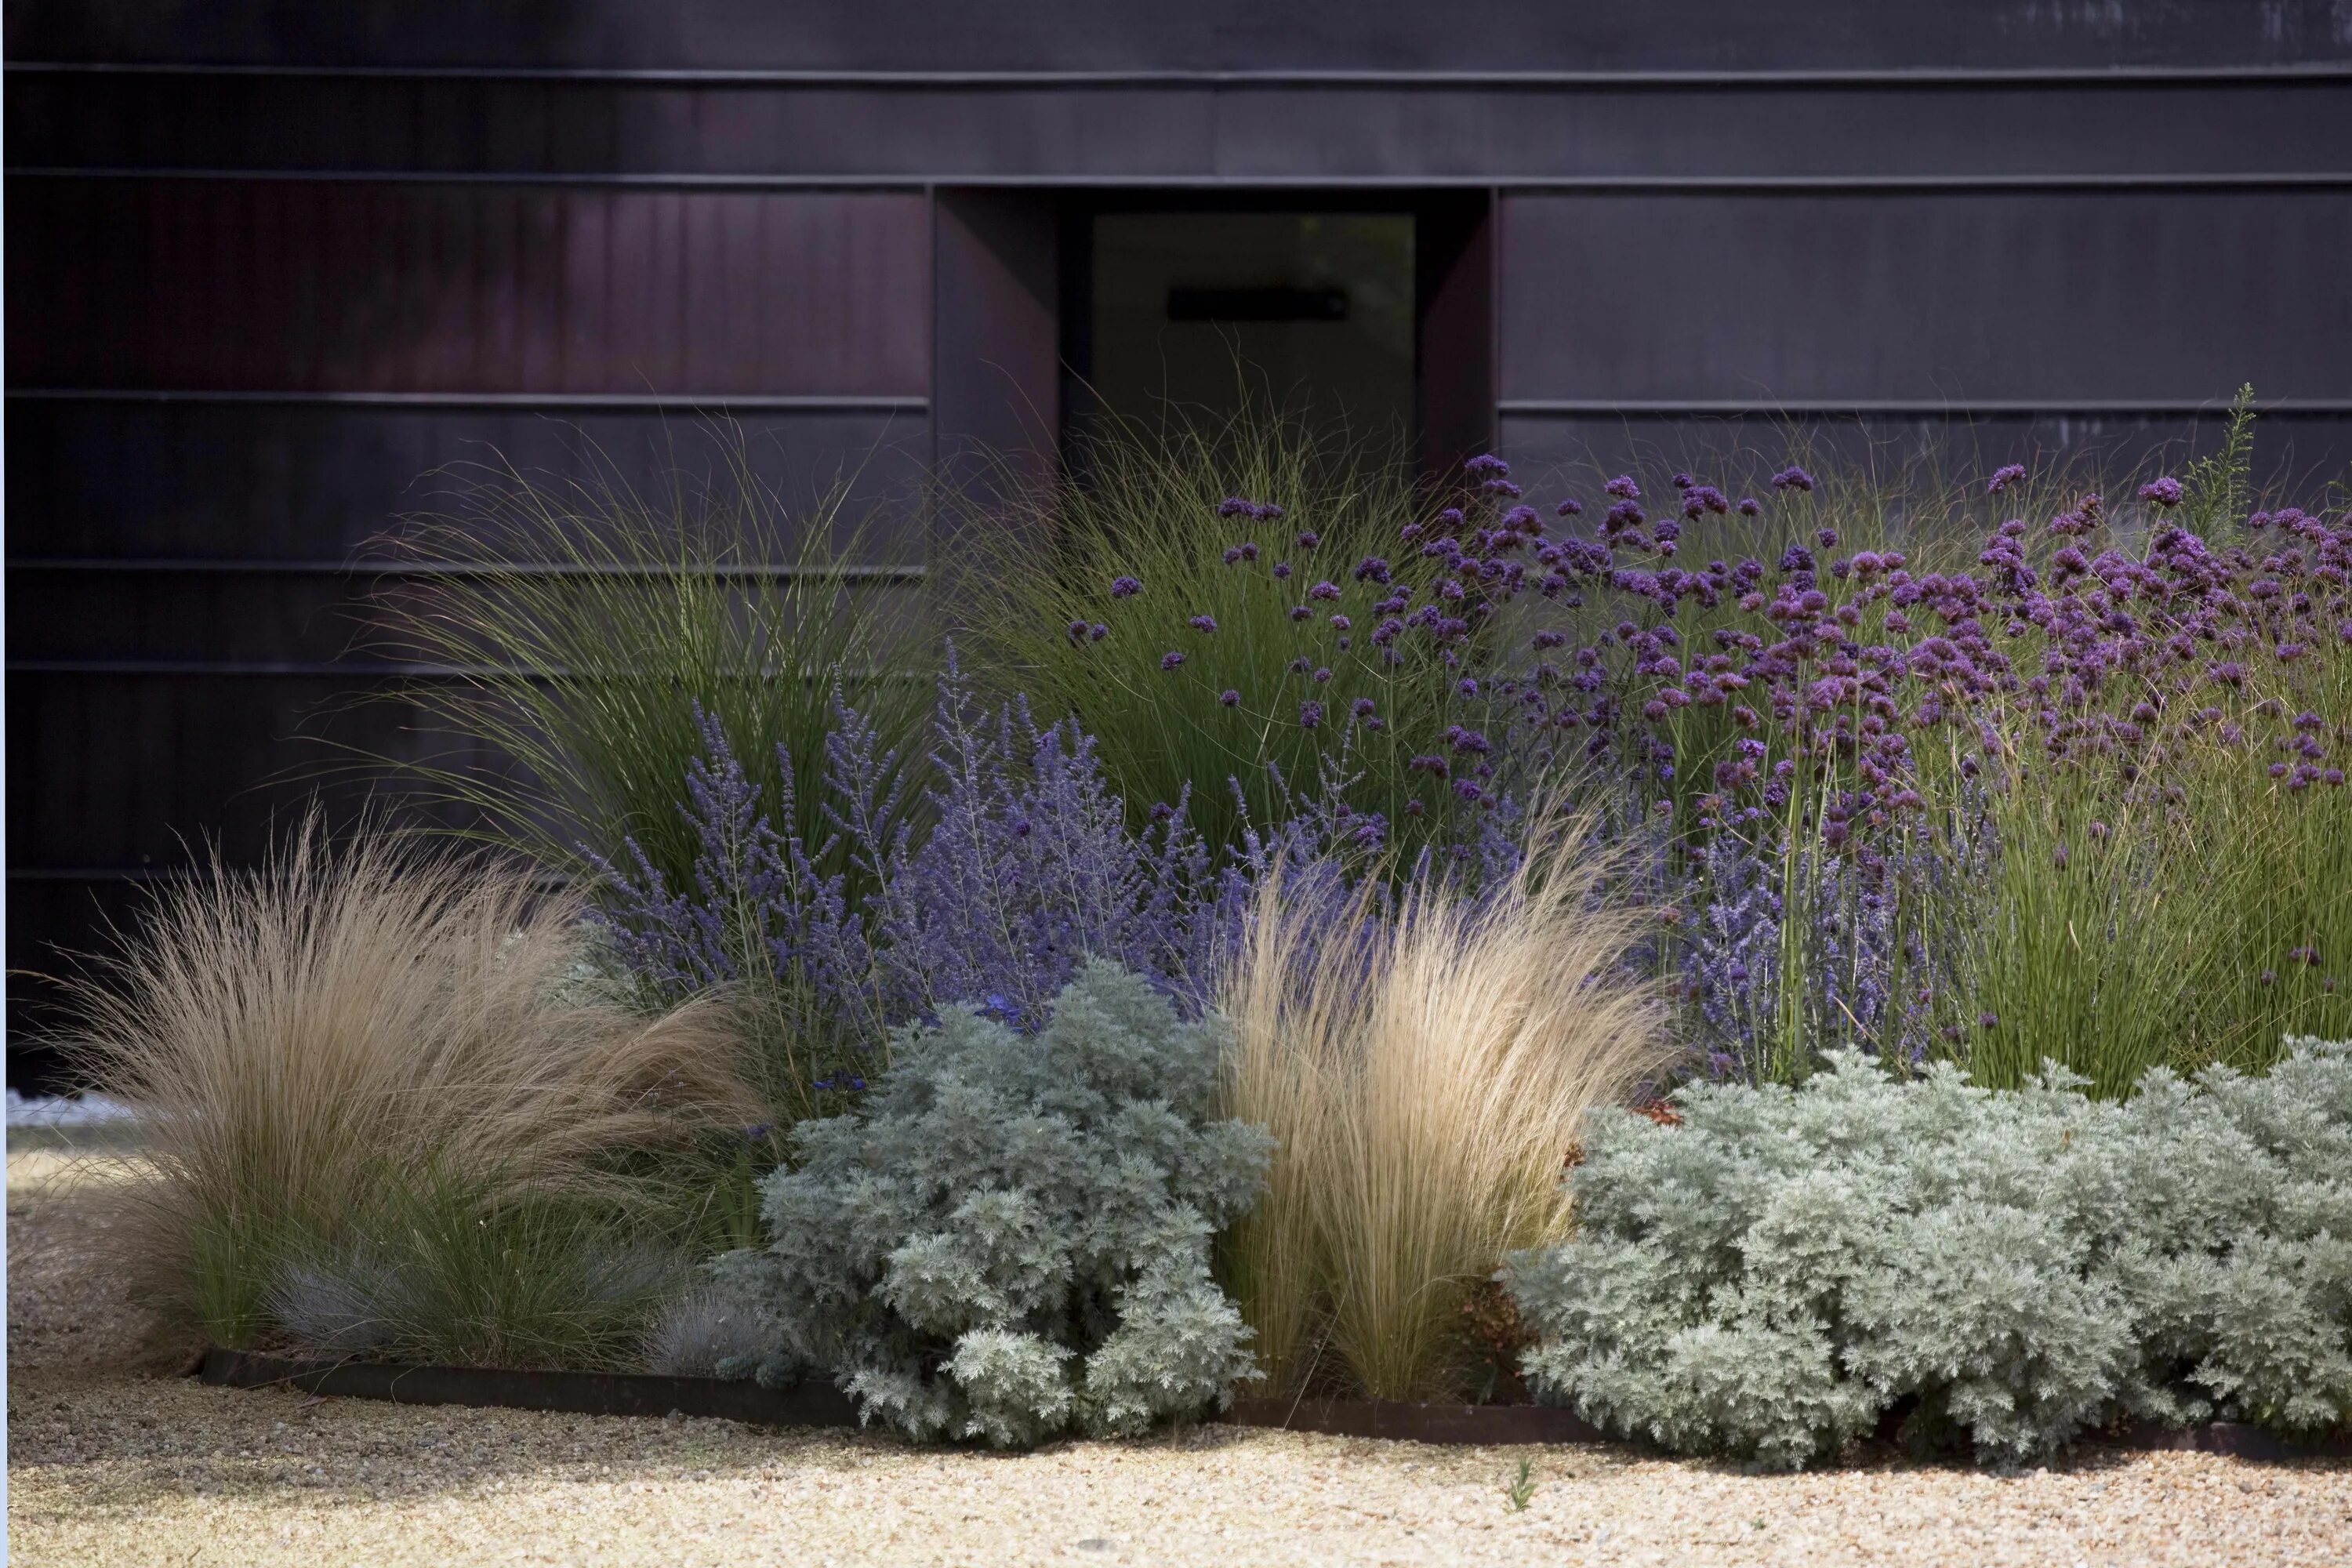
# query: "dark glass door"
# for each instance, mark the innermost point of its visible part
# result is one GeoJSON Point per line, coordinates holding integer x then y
{"type": "Point", "coordinates": [1192, 313]}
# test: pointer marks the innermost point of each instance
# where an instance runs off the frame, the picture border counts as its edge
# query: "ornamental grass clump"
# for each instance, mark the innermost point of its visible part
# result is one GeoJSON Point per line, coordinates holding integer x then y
{"type": "Point", "coordinates": [1240, 615]}
{"type": "Point", "coordinates": [436, 1266]}
{"type": "Point", "coordinates": [1424, 1068]}
{"type": "Point", "coordinates": [385, 1110]}
{"type": "Point", "coordinates": [1007, 1237]}
{"type": "Point", "coordinates": [1785, 1271]}
{"type": "Point", "coordinates": [2174, 835]}
{"type": "Point", "coordinates": [585, 633]}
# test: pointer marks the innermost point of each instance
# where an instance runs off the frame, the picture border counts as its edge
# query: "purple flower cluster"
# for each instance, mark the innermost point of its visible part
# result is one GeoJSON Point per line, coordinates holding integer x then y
{"type": "Point", "coordinates": [1366, 627]}
{"type": "Point", "coordinates": [1773, 707]}
{"type": "Point", "coordinates": [1028, 868]}
{"type": "Point", "coordinates": [1844, 661]}
{"type": "Point", "coordinates": [757, 905]}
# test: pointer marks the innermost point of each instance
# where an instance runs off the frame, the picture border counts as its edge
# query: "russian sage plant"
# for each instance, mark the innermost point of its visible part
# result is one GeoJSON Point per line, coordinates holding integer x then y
{"type": "Point", "coordinates": [1015, 868]}
{"type": "Point", "coordinates": [1008, 1237]}
{"type": "Point", "coordinates": [759, 919]}
{"type": "Point", "coordinates": [1029, 869]}
{"type": "Point", "coordinates": [1788, 1271]}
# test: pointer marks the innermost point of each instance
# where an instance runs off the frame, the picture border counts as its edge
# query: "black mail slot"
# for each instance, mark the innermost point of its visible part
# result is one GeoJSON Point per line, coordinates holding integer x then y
{"type": "Point", "coordinates": [1257, 304]}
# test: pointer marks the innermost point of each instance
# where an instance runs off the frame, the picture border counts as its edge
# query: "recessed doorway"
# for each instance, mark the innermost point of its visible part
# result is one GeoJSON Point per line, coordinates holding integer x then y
{"type": "Point", "coordinates": [1368, 313]}
{"type": "Point", "coordinates": [1313, 312]}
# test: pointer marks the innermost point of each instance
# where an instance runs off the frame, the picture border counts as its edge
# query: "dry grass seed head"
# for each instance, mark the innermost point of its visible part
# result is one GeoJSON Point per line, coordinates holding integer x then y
{"type": "Point", "coordinates": [294, 1034]}
{"type": "Point", "coordinates": [1426, 1080]}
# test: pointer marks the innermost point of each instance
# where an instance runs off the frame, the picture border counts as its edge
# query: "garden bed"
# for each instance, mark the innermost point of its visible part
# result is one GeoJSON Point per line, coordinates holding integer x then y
{"type": "Point", "coordinates": [1039, 1079]}
{"type": "Point", "coordinates": [815, 1404]}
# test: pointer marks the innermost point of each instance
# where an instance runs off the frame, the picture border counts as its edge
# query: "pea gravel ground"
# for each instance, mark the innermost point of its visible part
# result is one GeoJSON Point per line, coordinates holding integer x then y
{"type": "Point", "coordinates": [106, 1466]}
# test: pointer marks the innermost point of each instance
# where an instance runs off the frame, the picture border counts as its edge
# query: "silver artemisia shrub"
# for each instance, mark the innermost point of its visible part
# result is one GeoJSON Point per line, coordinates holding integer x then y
{"type": "Point", "coordinates": [1788, 1271]}
{"type": "Point", "coordinates": [1008, 1238]}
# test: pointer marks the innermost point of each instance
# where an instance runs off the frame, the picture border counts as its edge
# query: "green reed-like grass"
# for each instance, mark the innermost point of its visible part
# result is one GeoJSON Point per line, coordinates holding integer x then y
{"type": "Point", "coordinates": [2194, 911]}
{"type": "Point", "coordinates": [440, 1268]}
{"type": "Point", "coordinates": [2078, 944]}
{"type": "Point", "coordinates": [1146, 507]}
{"type": "Point", "coordinates": [581, 624]}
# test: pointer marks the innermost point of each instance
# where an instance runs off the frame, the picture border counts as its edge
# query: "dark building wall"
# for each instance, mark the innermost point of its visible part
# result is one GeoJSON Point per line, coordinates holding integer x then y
{"type": "Point", "coordinates": [2094, 323]}
{"type": "Point", "coordinates": [940, 36]}
{"type": "Point", "coordinates": [270, 263]}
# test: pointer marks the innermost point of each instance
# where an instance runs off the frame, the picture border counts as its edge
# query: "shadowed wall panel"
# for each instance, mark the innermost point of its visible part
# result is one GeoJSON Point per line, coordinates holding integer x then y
{"type": "Point", "coordinates": [333, 286]}
{"type": "Point", "coordinates": [290, 480]}
{"type": "Point", "coordinates": [1042, 129]}
{"type": "Point", "coordinates": [2090, 323]}
{"type": "Point", "coordinates": [998, 381]}
{"type": "Point", "coordinates": [1455, 357]}
{"type": "Point", "coordinates": [140, 769]}
{"type": "Point", "coordinates": [2026, 296]}
{"type": "Point", "coordinates": [1230, 34]}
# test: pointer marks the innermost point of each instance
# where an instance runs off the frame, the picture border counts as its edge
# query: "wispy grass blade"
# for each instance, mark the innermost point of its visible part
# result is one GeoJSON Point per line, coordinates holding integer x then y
{"type": "Point", "coordinates": [303, 1038]}
{"type": "Point", "coordinates": [1145, 505]}
{"type": "Point", "coordinates": [580, 625]}
{"type": "Point", "coordinates": [1426, 1076]}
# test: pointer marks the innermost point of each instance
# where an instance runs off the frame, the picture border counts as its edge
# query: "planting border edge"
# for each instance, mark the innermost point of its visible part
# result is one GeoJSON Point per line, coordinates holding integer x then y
{"type": "Point", "coordinates": [571, 1393]}
{"type": "Point", "coordinates": [821, 1405]}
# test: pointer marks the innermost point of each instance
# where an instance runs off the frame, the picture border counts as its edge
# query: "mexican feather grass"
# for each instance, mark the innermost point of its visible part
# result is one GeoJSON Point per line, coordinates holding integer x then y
{"type": "Point", "coordinates": [353, 1034]}
{"type": "Point", "coordinates": [1426, 1076]}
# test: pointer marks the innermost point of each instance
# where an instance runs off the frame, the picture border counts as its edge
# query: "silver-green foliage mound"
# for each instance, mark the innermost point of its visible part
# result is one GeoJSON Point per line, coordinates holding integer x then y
{"type": "Point", "coordinates": [1786, 1270]}
{"type": "Point", "coordinates": [1009, 1237]}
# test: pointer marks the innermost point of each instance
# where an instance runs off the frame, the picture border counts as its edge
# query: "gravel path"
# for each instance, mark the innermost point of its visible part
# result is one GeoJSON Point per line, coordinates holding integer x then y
{"type": "Point", "coordinates": [110, 1468]}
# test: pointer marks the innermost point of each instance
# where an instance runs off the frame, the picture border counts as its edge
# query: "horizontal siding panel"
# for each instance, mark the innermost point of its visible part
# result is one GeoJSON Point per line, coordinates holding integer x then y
{"type": "Point", "coordinates": [2295, 455]}
{"type": "Point", "coordinates": [215, 615]}
{"type": "Point", "coordinates": [1230, 34]}
{"type": "Point", "coordinates": [1112, 131]}
{"type": "Point", "coordinates": [175, 620]}
{"type": "Point", "coordinates": [366, 288]}
{"type": "Point", "coordinates": [308, 481]}
{"type": "Point", "coordinates": [53, 925]}
{"type": "Point", "coordinates": [1935, 299]}
{"type": "Point", "coordinates": [125, 771]}
{"type": "Point", "coordinates": [1794, 132]}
